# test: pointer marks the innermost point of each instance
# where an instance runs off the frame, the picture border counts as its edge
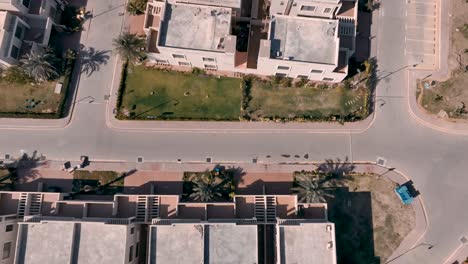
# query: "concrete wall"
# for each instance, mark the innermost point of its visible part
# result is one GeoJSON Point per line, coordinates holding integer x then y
{"type": "Point", "coordinates": [8, 237]}
{"type": "Point", "coordinates": [14, 5]}
{"type": "Point", "coordinates": [9, 40]}
{"type": "Point", "coordinates": [300, 8]}
{"type": "Point", "coordinates": [223, 61]}
{"type": "Point", "coordinates": [132, 240]}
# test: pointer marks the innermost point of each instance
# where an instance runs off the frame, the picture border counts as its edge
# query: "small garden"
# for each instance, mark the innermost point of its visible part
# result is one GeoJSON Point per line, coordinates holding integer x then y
{"type": "Point", "coordinates": [370, 220]}
{"type": "Point", "coordinates": [28, 89]}
{"type": "Point", "coordinates": [97, 182]}
{"type": "Point", "coordinates": [209, 186]}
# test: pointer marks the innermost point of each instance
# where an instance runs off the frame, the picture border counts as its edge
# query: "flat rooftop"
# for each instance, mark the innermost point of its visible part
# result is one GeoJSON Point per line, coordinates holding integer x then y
{"type": "Point", "coordinates": [304, 39]}
{"type": "Point", "coordinates": [55, 242]}
{"type": "Point", "coordinates": [197, 243]}
{"type": "Point", "coordinates": [223, 3]}
{"type": "Point", "coordinates": [307, 242]}
{"type": "Point", "coordinates": [232, 244]}
{"type": "Point", "coordinates": [195, 27]}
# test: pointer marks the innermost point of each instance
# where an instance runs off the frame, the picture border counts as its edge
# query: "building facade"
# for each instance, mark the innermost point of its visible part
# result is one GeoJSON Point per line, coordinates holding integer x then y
{"type": "Point", "coordinates": [309, 39]}
{"type": "Point", "coordinates": [25, 26]}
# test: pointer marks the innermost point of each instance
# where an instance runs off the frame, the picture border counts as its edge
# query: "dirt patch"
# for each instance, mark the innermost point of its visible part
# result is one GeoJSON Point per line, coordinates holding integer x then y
{"type": "Point", "coordinates": [370, 220]}
{"type": "Point", "coordinates": [451, 95]}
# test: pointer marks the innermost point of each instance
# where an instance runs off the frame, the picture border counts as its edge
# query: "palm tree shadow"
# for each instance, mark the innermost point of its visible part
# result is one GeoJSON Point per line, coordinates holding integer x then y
{"type": "Point", "coordinates": [92, 59]}
{"type": "Point", "coordinates": [26, 166]}
{"type": "Point", "coordinates": [335, 169]}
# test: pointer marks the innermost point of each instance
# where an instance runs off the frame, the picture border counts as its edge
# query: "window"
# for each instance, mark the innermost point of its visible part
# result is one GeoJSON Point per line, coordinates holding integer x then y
{"type": "Point", "coordinates": [137, 249]}
{"type": "Point", "coordinates": [316, 71]}
{"type": "Point", "coordinates": [19, 31]}
{"type": "Point", "coordinates": [130, 254]}
{"type": "Point", "coordinates": [308, 8]}
{"type": "Point", "coordinates": [328, 79]}
{"type": "Point", "coordinates": [210, 67]}
{"type": "Point", "coordinates": [14, 52]}
{"type": "Point", "coordinates": [9, 228]}
{"type": "Point", "coordinates": [132, 231]}
{"type": "Point", "coordinates": [177, 56]}
{"type": "Point", "coordinates": [208, 59]}
{"type": "Point", "coordinates": [163, 62]}
{"type": "Point", "coordinates": [327, 10]}
{"type": "Point", "coordinates": [303, 77]}
{"type": "Point", "coordinates": [26, 3]}
{"type": "Point", "coordinates": [6, 250]}
{"type": "Point", "coordinates": [285, 68]}
{"type": "Point", "coordinates": [279, 74]}
{"type": "Point", "coordinates": [181, 63]}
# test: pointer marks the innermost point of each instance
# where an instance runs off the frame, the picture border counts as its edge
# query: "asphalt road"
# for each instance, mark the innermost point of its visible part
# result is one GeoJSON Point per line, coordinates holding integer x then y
{"type": "Point", "coordinates": [434, 160]}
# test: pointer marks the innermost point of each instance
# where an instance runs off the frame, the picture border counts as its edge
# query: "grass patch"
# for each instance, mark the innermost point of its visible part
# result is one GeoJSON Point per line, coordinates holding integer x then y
{"type": "Point", "coordinates": [27, 100]}
{"type": "Point", "coordinates": [273, 102]}
{"type": "Point", "coordinates": [101, 182]}
{"type": "Point", "coordinates": [159, 94]}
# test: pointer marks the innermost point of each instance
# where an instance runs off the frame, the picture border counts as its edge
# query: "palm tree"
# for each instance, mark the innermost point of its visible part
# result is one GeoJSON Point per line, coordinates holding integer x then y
{"type": "Point", "coordinates": [37, 65]}
{"type": "Point", "coordinates": [309, 189]}
{"type": "Point", "coordinates": [205, 189]}
{"type": "Point", "coordinates": [130, 47]}
{"type": "Point", "coordinates": [136, 7]}
{"type": "Point", "coordinates": [335, 169]}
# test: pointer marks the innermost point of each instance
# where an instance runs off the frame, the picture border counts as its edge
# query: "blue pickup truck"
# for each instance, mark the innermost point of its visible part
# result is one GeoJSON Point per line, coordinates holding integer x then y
{"type": "Point", "coordinates": [404, 194]}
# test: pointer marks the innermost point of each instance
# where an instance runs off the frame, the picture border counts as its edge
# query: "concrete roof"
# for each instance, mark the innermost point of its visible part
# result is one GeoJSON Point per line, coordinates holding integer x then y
{"type": "Point", "coordinates": [177, 244]}
{"type": "Point", "coordinates": [58, 242]}
{"type": "Point", "coordinates": [195, 27]}
{"type": "Point", "coordinates": [307, 243]}
{"type": "Point", "coordinates": [223, 3]}
{"type": "Point", "coordinates": [304, 39]}
{"type": "Point", "coordinates": [195, 243]}
{"type": "Point", "coordinates": [230, 244]}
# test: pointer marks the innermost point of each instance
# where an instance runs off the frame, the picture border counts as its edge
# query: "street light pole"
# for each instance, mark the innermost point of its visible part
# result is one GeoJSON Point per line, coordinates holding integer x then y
{"type": "Point", "coordinates": [429, 247]}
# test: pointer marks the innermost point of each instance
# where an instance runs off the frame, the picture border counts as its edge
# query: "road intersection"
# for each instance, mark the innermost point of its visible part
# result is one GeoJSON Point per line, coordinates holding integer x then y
{"type": "Point", "coordinates": [432, 158]}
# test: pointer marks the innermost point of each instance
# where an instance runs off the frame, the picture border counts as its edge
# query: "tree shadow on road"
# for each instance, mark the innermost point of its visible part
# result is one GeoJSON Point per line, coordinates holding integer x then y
{"type": "Point", "coordinates": [92, 59]}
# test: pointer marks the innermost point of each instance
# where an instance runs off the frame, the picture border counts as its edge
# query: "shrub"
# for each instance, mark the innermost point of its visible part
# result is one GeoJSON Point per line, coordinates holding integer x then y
{"type": "Point", "coordinates": [301, 83]}
{"type": "Point", "coordinates": [123, 80]}
{"type": "Point", "coordinates": [136, 7]}
{"type": "Point", "coordinates": [15, 74]}
{"type": "Point", "coordinates": [287, 82]}
{"type": "Point", "coordinates": [198, 71]}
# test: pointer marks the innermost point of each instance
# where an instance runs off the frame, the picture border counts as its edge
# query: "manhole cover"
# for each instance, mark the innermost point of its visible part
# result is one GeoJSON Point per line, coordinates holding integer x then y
{"type": "Point", "coordinates": [140, 159]}
{"type": "Point", "coordinates": [208, 160]}
{"type": "Point", "coordinates": [464, 240]}
{"type": "Point", "coordinates": [381, 161]}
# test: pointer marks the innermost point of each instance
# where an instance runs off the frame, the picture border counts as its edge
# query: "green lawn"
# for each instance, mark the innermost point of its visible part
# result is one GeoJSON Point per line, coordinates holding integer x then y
{"type": "Point", "coordinates": [158, 94]}
{"type": "Point", "coordinates": [27, 98]}
{"type": "Point", "coordinates": [268, 101]}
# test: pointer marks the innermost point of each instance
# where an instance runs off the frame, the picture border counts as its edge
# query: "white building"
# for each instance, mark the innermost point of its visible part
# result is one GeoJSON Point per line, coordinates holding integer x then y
{"type": "Point", "coordinates": [311, 39]}
{"type": "Point", "coordinates": [26, 25]}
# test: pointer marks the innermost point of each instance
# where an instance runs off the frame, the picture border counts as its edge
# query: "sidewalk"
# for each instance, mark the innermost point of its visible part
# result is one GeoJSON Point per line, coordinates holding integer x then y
{"type": "Point", "coordinates": [174, 169]}
{"type": "Point", "coordinates": [455, 126]}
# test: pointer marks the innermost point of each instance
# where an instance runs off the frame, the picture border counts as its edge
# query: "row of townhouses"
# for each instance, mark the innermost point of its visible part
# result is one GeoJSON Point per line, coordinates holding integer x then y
{"type": "Point", "coordinates": [26, 25]}
{"type": "Point", "coordinates": [310, 39]}
{"type": "Point", "coordinates": [44, 227]}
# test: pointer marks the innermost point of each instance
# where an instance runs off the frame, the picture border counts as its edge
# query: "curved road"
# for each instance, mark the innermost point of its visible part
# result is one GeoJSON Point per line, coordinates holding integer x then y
{"type": "Point", "coordinates": [435, 161]}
